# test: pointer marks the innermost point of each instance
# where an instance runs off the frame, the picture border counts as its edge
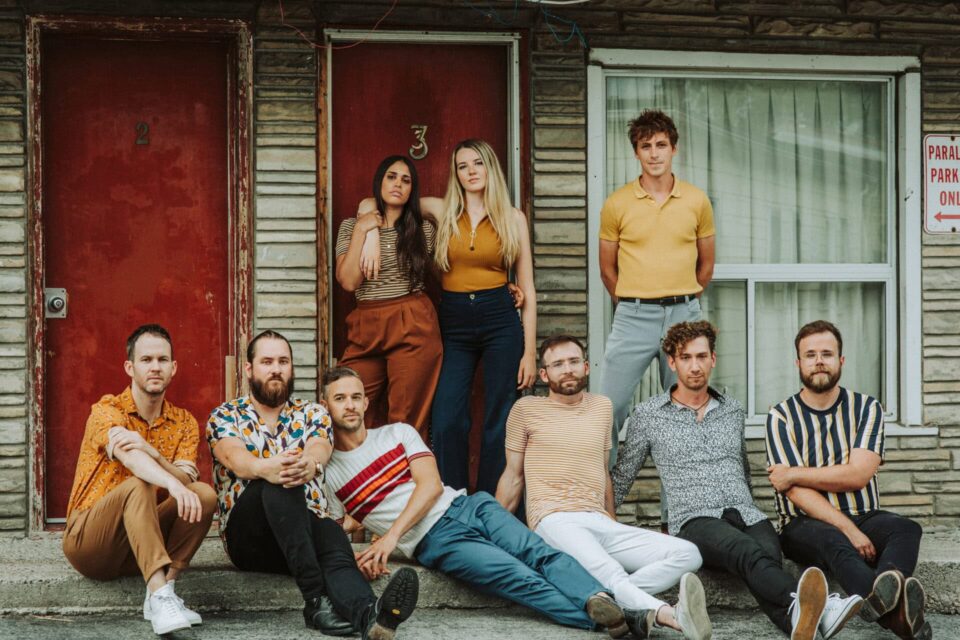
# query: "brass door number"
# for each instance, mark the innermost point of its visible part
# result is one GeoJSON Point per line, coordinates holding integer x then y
{"type": "Point", "coordinates": [143, 131]}
{"type": "Point", "coordinates": [419, 150]}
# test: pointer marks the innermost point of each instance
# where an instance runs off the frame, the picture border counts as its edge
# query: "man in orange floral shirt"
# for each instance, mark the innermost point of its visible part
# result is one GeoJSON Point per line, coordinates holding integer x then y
{"type": "Point", "coordinates": [134, 444]}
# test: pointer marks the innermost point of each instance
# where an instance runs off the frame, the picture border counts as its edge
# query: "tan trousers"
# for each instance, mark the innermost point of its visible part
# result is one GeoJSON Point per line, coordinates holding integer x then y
{"type": "Point", "coordinates": [126, 532]}
{"type": "Point", "coordinates": [395, 346]}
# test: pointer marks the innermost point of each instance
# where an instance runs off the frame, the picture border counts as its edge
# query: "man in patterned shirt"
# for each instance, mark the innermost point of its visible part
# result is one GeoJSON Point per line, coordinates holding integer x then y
{"type": "Point", "coordinates": [695, 436]}
{"type": "Point", "coordinates": [135, 444]}
{"type": "Point", "coordinates": [269, 450]}
{"type": "Point", "coordinates": [386, 479]}
{"type": "Point", "coordinates": [824, 446]}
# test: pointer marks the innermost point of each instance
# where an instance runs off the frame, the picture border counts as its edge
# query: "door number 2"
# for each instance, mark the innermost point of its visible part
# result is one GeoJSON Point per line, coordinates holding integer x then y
{"type": "Point", "coordinates": [419, 150]}
{"type": "Point", "coordinates": [143, 133]}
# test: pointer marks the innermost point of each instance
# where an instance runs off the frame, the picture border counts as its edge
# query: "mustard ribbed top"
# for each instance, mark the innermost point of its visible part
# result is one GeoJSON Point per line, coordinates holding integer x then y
{"type": "Point", "coordinates": [475, 260]}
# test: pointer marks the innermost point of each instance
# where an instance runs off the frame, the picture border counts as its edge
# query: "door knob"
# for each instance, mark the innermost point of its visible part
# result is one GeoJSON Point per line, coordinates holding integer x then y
{"type": "Point", "coordinates": [55, 302]}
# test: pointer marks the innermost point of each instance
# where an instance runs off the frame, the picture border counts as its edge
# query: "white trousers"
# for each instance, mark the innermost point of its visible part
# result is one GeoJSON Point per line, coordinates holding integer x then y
{"type": "Point", "coordinates": [631, 562]}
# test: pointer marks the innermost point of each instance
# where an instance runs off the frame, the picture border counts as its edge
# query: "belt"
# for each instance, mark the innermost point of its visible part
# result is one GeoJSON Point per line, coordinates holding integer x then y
{"type": "Point", "coordinates": [663, 302]}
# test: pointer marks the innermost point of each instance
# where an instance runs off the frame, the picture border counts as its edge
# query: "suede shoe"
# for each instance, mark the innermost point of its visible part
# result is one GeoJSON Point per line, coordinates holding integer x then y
{"type": "Point", "coordinates": [395, 605]}
{"type": "Point", "coordinates": [640, 621]}
{"type": "Point", "coordinates": [605, 611]}
{"type": "Point", "coordinates": [808, 603]}
{"type": "Point", "coordinates": [884, 597]}
{"type": "Point", "coordinates": [319, 614]}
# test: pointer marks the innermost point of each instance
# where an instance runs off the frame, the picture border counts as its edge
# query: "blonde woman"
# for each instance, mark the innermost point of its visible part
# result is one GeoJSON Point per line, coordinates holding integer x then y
{"type": "Point", "coordinates": [480, 238]}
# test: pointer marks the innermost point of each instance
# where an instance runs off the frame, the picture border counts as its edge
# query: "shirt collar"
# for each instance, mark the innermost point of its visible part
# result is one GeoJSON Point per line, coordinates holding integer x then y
{"type": "Point", "coordinates": [665, 398]}
{"type": "Point", "coordinates": [676, 192]}
{"type": "Point", "coordinates": [129, 406]}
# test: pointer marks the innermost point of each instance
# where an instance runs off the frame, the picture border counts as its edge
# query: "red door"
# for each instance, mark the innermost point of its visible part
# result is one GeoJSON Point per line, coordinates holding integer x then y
{"type": "Point", "coordinates": [135, 226]}
{"type": "Point", "coordinates": [380, 92]}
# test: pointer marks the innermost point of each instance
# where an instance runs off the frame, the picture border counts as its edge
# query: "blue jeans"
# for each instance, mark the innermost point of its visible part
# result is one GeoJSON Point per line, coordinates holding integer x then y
{"type": "Point", "coordinates": [482, 326]}
{"type": "Point", "coordinates": [479, 542]}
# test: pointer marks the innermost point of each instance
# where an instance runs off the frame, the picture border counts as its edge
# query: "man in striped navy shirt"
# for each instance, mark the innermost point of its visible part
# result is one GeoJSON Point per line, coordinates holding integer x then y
{"type": "Point", "coordinates": [824, 446]}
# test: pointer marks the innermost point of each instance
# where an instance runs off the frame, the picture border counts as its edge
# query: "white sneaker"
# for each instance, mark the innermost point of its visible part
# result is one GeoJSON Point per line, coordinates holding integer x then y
{"type": "Point", "coordinates": [836, 613]}
{"type": "Point", "coordinates": [192, 616]}
{"type": "Point", "coordinates": [165, 612]}
{"type": "Point", "coordinates": [691, 609]}
{"type": "Point", "coordinates": [808, 603]}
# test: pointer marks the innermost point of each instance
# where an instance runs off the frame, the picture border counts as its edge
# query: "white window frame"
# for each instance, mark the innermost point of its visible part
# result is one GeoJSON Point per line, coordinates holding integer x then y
{"type": "Point", "coordinates": [903, 298]}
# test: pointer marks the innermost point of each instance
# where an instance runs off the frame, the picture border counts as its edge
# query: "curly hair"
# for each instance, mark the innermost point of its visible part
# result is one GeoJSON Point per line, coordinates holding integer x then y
{"type": "Point", "coordinates": [650, 122]}
{"type": "Point", "coordinates": [680, 334]}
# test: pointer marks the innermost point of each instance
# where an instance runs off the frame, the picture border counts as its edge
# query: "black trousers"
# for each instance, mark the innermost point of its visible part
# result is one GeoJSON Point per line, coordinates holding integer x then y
{"type": "Point", "coordinates": [752, 553]}
{"type": "Point", "coordinates": [271, 530]}
{"type": "Point", "coordinates": [814, 542]}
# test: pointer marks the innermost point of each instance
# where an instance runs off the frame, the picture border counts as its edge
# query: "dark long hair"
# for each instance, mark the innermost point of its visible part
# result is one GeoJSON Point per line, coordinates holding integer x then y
{"type": "Point", "coordinates": [411, 242]}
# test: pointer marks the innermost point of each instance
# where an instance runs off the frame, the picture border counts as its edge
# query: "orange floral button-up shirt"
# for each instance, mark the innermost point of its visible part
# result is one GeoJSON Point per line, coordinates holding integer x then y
{"type": "Point", "coordinates": [174, 434]}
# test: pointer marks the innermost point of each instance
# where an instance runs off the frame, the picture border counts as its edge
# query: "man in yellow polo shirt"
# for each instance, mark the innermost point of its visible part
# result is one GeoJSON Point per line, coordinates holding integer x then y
{"type": "Point", "coordinates": [656, 257]}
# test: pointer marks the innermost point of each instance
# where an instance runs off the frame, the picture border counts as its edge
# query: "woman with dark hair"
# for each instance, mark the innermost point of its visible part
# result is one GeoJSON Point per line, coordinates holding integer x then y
{"type": "Point", "coordinates": [393, 338]}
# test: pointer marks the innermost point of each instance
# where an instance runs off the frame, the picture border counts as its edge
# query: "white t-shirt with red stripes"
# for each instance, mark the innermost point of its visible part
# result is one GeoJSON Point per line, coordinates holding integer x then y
{"type": "Point", "coordinates": [372, 483]}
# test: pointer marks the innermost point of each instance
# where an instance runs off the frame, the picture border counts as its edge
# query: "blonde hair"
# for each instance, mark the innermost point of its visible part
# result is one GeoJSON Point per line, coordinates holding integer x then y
{"type": "Point", "coordinates": [496, 202]}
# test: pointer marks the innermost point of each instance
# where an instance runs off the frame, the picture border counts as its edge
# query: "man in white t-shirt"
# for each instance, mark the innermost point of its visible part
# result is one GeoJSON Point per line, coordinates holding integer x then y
{"type": "Point", "coordinates": [557, 448]}
{"type": "Point", "coordinates": [386, 480]}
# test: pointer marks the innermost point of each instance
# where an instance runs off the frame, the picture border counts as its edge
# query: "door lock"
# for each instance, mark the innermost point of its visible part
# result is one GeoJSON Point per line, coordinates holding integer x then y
{"type": "Point", "coordinates": [55, 302]}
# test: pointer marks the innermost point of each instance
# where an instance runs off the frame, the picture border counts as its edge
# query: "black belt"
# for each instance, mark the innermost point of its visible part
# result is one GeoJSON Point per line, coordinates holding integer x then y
{"type": "Point", "coordinates": [663, 302]}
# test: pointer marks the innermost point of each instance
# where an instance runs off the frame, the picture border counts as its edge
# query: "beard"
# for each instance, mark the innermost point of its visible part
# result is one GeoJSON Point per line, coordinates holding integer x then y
{"type": "Point", "coordinates": [564, 388]}
{"type": "Point", "coordinates": [271, 397]}
{"type": "Point", "coordinates": [810, 382]}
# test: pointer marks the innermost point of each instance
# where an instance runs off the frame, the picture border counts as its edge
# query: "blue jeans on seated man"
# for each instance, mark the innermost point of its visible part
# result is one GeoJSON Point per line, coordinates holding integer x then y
{"type": "Point", "coordinates": [481, 543]}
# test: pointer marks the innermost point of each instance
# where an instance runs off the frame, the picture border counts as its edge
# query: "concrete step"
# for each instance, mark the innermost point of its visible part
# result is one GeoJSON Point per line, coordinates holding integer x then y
{"type": "Point", "coordinates": [35, 578]}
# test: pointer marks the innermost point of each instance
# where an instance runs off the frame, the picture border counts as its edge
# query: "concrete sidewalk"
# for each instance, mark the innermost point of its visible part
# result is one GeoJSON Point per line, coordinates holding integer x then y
{"type": "Point", "coordinates": [425, 624]}
{"type": "Point", "coordinates": [35, 578]}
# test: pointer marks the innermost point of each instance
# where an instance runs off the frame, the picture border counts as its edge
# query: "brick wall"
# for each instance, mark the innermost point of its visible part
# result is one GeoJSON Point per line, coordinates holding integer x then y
{"type": "Point", "coordinates": [13, 273]}
{"type": "Point", "coordinates": [922, 476]}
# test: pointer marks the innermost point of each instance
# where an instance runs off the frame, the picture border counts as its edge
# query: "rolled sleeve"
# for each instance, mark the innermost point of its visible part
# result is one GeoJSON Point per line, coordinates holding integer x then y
{"type": "Point", "coordinates": [189, 441]}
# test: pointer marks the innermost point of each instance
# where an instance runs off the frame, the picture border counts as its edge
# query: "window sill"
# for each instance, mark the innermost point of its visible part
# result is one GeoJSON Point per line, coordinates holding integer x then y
{"type": "Point", "coordinates": [758, 432]}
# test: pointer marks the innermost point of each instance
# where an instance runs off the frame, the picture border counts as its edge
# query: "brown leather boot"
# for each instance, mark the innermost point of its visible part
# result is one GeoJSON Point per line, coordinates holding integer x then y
{"type": "Point", "coordinates": [885, 596]}
{"type": "Point", "coordinates": [907, 620]}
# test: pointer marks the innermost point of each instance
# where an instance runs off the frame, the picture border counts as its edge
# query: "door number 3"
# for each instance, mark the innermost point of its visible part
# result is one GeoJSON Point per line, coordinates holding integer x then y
{"type": "Point", "coordinates": [143, 131]}
{"type": "Point", "coordinates": [419, 150]}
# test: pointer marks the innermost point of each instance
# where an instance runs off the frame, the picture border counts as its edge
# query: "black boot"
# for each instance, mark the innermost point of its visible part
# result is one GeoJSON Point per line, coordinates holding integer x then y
{"type": "Point", "coordinates": [319, 614]}
{"type": "Point", "coordinates": [640, 621]}
{"type": "Point", "coordinates": [395, 605]}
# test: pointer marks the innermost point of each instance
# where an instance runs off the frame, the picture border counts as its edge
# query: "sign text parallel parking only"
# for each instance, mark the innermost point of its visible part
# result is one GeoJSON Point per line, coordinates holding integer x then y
{"type": "Point", "coordinates": [941, 176]}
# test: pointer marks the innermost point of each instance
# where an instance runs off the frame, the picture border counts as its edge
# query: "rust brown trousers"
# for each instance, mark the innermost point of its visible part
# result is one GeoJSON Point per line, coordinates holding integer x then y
{"type": "Point", "coordinates": [395, 346]}
{"type": "Point", "coordinates": [126, 532]}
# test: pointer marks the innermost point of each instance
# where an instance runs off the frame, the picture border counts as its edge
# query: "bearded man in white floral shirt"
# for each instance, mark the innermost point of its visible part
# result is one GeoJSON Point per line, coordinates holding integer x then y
{"type": "Point", "coordinates": [269, 450]}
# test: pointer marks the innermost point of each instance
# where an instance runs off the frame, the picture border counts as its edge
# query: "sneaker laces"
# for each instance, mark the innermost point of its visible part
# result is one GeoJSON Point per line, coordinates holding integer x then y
{"type": "Point", "coordinates": [793, 605]}
{"type": "Point", "coordinates": [170, 604]}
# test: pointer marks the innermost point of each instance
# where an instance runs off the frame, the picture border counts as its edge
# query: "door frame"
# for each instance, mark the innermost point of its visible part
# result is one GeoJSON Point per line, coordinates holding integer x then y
{"type": "Point", "coordinates": [240, 259]}
{"type": "Point", "coordinates": [518, 144]}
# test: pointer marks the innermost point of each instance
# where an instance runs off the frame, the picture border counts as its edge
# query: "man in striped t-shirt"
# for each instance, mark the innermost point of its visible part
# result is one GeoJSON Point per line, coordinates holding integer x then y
{"type": "Point", "coordinates": [824, 446]}
{"type": "Point", "coordinates": [386, 480]}
{"type": "Point", "coordinates": [557, 449]}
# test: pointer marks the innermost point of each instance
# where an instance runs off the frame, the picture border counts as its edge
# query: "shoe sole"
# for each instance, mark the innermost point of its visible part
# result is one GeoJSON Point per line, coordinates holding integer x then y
{"type": "Point", "coordinates": [812, 598]}
{"type": "Point", "coordinates": [885, 596]}
{"type": "Point", "coordinates": [606, 612]}
{"type": "Point", "coordinates": [176, 626]}
{"type": "Point", "coordinates": [914, 601]}
{"type": "Point", "coordinates": [852, 610]}
{"type": "Point", "coordinates": [399, 598]}
{"type": "Point", "coordinates": [925, 632]}
{"type": "Point", "coordinates": [693, 608]}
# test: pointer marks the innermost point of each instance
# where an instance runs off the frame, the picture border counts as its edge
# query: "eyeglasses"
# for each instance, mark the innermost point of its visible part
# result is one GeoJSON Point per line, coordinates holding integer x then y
{"type": "Point", "coordinates": [573, 363]}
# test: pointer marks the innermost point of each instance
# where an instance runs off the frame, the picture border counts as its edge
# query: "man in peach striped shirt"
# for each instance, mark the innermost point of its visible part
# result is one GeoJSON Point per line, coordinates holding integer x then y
{"type": "Point", "coordinates": [557, 448]}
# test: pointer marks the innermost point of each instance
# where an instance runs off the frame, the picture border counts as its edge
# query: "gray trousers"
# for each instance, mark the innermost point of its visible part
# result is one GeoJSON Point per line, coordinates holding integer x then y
{"type": "Point", "coordinates": [634, 341]}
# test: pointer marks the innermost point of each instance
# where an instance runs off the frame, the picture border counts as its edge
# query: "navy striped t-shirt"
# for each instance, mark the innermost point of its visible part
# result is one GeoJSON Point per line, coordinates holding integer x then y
{"type": "Point", "coordinates": [800, 436]}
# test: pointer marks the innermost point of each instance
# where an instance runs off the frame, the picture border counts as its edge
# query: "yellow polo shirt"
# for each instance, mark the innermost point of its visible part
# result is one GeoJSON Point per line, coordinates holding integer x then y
{"type": "Point", "coordinates": [657, 256]}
